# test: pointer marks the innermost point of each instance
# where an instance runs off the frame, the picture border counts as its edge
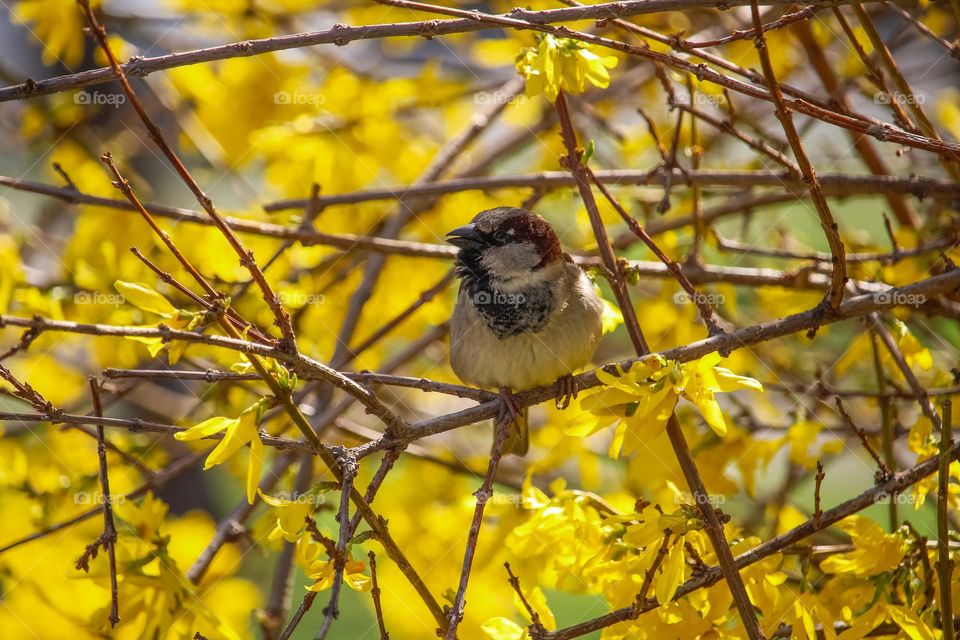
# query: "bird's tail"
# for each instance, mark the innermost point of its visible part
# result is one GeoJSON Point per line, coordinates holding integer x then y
{"type": "Point", "coordinates": [518, 436]}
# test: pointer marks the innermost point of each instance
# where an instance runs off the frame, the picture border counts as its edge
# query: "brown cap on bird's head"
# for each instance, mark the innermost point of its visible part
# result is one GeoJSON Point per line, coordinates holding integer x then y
{"type": "Point", "coordinates": [505, 225]}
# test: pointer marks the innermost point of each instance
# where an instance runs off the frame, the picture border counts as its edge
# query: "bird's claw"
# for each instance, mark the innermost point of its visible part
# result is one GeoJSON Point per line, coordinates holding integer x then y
{"type": "Point", "coordinates": [568, 391]}
{"type": "Point", "coordinates": [508, 410]}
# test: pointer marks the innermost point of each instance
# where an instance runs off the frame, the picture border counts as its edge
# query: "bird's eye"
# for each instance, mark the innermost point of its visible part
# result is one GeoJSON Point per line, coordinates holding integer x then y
{"type": "Point", "coordinates": [501, 235]}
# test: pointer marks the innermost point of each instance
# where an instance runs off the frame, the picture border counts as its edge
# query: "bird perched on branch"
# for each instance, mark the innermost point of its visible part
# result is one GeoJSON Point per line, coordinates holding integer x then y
{"type": "Point", "coordinates": [526, 315]}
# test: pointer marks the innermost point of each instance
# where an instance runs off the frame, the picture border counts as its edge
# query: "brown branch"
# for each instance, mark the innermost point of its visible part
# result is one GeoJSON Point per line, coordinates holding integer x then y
{"type": "Point", "coordinates": [331, 612]}
{"type": "Point", "coordinates": [745, 34]}
{"type": "Point", "coordinates": [342, 34]}
{"type": "Point", "coordinates": [713, 527]}
{"type": "Point", "coordinates": [944, 563]}
{"type": "Point", "coordinates": [897, 484]}
{"type": "Point", "coordinates": [839, 185]}
{"type": "Point", "coordinates": [851, 258]}
{"type": "Point", "coordinates": [707, 313]}
{"type": "Point", "coordinates": [817, 511]}
{"type": "Point", "coordinates": [754, 143]}
{"type": "Point", "coordinates": [107, 539]}
{"type": "Point", "coordinates": [919, 392]}
{"type": "Point", "coordinates": [367, 378]}
{"type": "Point", "coordinates": [853, 307]}
{"type": "Point", "coordinates": [839, 272]}
{"type": "Point", "coordinates": [536, 627]}
{"type": "Point", "coordinates": [649, 574]}
{"type": "Point", "coordinates": [375, 595]}
{"type": "Point", "coordinates": [883, 471]}
{"type": "Point", "coordinates": [483, 494]}
{"type": "Point", "coordinates": [282, 319]}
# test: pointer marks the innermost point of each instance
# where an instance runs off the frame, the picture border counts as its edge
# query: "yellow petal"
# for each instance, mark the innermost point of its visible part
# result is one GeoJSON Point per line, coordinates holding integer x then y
{"type": "Point", "coordinates": [206, 428]}
{"type": "Point", "coordinates": [254, 466]}
{"type": "Point", "coordinates": [142, 296]}
{"type": "Point", "coordinates": [672, 574]}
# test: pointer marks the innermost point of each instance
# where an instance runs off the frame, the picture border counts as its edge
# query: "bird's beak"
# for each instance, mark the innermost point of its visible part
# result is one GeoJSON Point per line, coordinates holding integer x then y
{"type": "Point", "coordinates": [466, 237]}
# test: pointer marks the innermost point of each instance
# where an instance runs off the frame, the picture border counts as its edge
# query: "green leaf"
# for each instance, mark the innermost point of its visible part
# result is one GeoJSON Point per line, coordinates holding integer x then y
{"type": "Point", "coordinates": [588, 153]}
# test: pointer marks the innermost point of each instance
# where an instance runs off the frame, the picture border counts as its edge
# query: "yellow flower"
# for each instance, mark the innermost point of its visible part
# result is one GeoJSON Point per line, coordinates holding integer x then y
{"type": "Point", "coordinates": [914, 353]}
{"type": "Point", "coordinates": [322, 572]}
{"type": "Point", "coordinates": [143, 297]}
{"type": "Point", "coordinates": [562, 63]}
{"type": "Point", "coordinates": [642, 399]}
{"type": "Point", "coordinates": [291, 516]}
{"type": "Point", "coordinates": [873, 550]}
{"type": "Point", "coordinates": [238, 432]}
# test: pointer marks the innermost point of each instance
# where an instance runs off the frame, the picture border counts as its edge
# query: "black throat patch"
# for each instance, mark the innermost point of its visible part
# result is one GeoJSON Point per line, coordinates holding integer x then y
{"type": "Point", "coordinates": [505, 314]}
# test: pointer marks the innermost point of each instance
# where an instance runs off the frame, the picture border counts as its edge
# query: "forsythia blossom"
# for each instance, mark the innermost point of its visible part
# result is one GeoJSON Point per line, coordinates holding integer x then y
{"type": "Point", "coordinates": [562, 63]}
{"type": "Point", "coordinates": [237, 432]}
{"type": "Point", "coordinates": [642, 399]}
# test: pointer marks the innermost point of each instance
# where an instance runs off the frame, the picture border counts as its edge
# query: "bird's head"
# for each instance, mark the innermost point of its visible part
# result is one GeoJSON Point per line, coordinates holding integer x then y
{"type": "Point", "coordinates": [505, 244]}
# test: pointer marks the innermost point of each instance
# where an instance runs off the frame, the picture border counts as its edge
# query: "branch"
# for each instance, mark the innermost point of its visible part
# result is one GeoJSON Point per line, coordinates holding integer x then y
{"type": "Point", "coordinates": [482, 495]}
{"type": "Point", "coordinates": [944, 564]}
{"type": "Point", "coordinates": [713, 526]}
{"type": "Point", "coordinates": [897, 484]}
{"type": "Point", "coordinates": [827, 223]}
{"type": "Point", "coordinates": [341, 35]}
{"type": "Point", "coordinates": [282, 319]}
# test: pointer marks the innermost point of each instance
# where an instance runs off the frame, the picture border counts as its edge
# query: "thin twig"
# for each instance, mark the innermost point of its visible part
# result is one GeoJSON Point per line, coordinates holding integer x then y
{"type": "Point", "coordinates": [944, 563]}
{"type": "Point", "coordinates": [649, 574]}
{"type": "Point", "coordinates": [482, 497]}
{"type": "Point", "coordinates": [839, 272]}
{"type": "Point", "coordinates": [714, 527]}
{"type": "Point", "coordinates": [536, 627]}
{"type": "Point", "coordinates": [707, 313]}
{"type": "Point", "coordinates": [375, 595]}
{"type": "Point", "coordinates": [817, 511]}
{"type": "Point", "coordinates": [348, 467]}
{"type": "Point", "coordinates": [282, 318]}
{"type": "Point", "coordinates": [108, 539]}
{"type": "Point", "coordinates": [883, 471]}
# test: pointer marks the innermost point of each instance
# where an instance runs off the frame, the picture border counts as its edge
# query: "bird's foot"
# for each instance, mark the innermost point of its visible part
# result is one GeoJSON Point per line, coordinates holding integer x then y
{"type": "Point", "coordinates": [568, 391]}
{"type": "Point", "coordinates": [508, 410]}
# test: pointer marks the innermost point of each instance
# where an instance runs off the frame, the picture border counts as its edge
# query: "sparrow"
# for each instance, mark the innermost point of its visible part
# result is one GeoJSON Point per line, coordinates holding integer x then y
{"type": "Point", "coordinates": [526, 314]}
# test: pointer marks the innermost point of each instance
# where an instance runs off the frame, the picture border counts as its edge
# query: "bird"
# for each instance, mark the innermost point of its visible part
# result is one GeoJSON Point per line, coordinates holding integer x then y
{"type": "Point", "coordinates": [526, 315]}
